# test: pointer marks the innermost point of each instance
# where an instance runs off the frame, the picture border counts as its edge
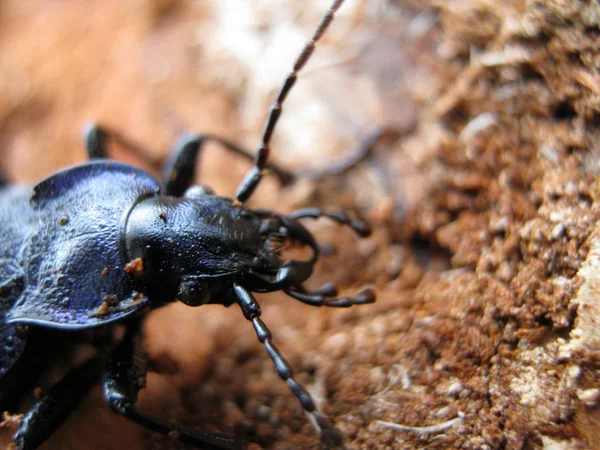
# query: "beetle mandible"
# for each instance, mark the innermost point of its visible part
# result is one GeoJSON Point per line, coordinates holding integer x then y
{"type": "Point", "coordinates": [100, 243]}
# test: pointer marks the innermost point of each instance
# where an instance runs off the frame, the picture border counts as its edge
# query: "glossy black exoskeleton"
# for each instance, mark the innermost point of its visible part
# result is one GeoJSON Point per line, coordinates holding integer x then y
{"type": "Point", "coordinates": [101, 243]}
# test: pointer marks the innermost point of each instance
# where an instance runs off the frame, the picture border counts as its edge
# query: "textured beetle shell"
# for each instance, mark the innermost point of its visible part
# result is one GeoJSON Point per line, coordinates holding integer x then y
{"type": "Point", "coordinates": [70, 246]}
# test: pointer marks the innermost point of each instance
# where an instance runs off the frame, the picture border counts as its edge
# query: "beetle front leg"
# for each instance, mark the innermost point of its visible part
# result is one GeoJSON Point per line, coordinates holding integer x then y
{"type": "Point", "coordinates": [123, 379]}
{"type": "Point", "coordinates": [330, 436]}
{"type": "Point", "coordinates": [51, 410]}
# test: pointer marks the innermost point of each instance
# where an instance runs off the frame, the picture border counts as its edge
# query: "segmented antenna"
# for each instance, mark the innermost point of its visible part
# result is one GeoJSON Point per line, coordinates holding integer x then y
{"type": "Point", "coordinates": [254, 175]}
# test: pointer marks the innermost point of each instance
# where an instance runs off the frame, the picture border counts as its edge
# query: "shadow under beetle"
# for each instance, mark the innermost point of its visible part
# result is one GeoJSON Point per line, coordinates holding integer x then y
{"type": "Point", "coordinates": [101, 243]}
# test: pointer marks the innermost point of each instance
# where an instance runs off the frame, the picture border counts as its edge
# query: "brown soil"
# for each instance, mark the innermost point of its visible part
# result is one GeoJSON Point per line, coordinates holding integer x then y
{"type": "Point", "coordinates": [485, 250]}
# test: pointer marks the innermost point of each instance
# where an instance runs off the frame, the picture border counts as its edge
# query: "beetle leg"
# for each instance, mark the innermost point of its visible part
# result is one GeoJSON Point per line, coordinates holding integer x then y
{"type": "Point", "coordinates": [179, 171]}
{"type": "Point", "coordinates": [123, 378]}
{"type": "Point", "coordinates": [96, 138]}
{"type": "Point", "coordinates": [51, 410]}
{"type": "Point", "coordinates": [330, 436]}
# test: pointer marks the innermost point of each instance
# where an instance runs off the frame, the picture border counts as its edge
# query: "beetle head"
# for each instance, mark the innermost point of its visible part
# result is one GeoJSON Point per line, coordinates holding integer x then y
{"type": "Point", "coordinates": [194, 247]}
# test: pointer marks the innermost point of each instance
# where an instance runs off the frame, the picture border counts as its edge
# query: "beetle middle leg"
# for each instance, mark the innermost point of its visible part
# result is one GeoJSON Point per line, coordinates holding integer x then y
{"type": "Point", "coordinates": [123, 379]}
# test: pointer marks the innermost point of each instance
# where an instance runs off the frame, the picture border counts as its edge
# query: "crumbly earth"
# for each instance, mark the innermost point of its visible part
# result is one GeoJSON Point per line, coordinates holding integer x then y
{"type": "Point", "coordinates": [485, 250]}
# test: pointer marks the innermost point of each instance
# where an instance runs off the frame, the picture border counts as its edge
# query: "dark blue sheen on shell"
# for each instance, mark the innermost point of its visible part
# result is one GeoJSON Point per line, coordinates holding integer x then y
{"type": "Point", "coordinates": [74, 267]}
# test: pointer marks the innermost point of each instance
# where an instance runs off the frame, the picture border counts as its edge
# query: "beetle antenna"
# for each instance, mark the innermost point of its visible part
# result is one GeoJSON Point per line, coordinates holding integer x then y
{"type": "Point", "coordinates": [254, 175]}
{"type": "Point", "coordinates": [330, 436]}
{"type": "Point", "coordinates": [358, 226]}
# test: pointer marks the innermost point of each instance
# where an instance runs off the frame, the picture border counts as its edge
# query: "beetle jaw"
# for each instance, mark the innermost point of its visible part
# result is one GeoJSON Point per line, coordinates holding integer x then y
{"type": "Point", "coordinates": [271, 270]}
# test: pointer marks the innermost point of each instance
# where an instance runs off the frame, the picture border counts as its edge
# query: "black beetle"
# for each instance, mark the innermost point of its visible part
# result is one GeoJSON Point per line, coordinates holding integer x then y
{"type": "Point", "coordinates": [101, 243]}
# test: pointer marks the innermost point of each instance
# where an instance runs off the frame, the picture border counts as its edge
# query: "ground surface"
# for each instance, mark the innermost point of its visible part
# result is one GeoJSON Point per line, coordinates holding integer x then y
{"type": "Point", "coordinates": [485, 252]}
